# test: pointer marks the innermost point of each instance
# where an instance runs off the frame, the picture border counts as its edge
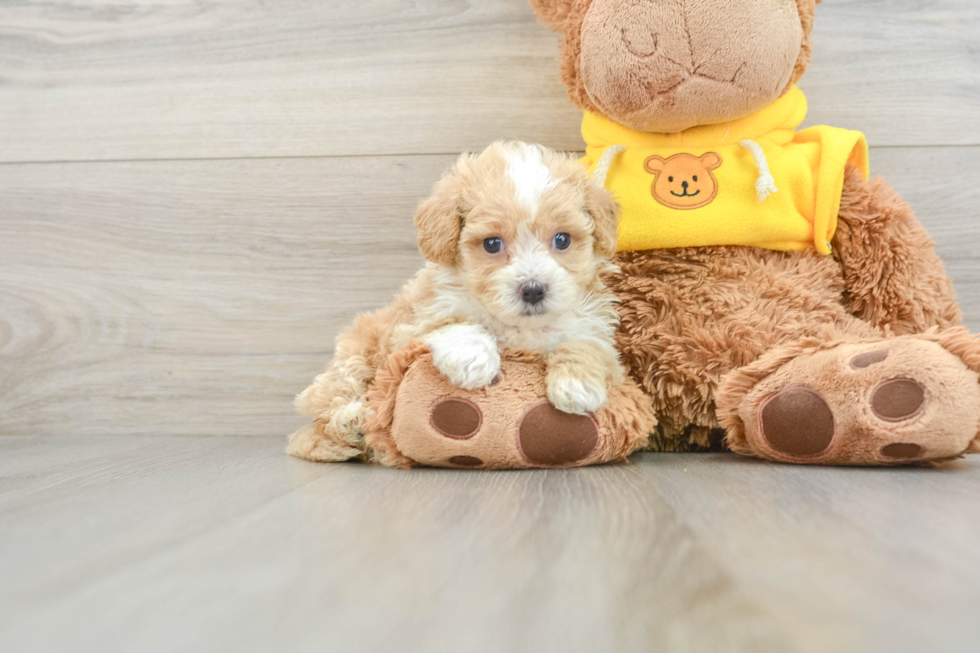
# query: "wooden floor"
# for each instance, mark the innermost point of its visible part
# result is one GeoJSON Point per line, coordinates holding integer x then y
{"type": "Point", "coordinates": [195, 197]}
{"type": "Point", "coordinates": [162, 543]}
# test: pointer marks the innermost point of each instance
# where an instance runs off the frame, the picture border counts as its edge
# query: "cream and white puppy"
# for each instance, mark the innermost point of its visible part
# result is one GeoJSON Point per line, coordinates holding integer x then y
{"type": "Point", "coordinates": [515, 240]}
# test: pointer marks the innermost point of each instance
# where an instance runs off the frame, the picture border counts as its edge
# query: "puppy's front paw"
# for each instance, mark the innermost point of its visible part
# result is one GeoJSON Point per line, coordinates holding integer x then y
{"type": "Point", "coordinates": [466, 355]}
{"type": "Point", "coordinates": [575, 396]}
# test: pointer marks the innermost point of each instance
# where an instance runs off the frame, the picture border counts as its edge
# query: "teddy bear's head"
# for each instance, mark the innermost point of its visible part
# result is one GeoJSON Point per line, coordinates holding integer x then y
{"type": "Point", "coordinates": [668, 65]}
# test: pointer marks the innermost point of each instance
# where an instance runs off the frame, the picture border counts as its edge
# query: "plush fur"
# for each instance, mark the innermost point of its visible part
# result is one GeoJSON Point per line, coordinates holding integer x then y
{"type": "Point", "coordinates": [469, 302]}
{"type": "Point", "coordinates": [892, 274]}
{"type": "Point", "coordinates": [725, 338]}
{"type": "Point", "coordinates": [401, 430]}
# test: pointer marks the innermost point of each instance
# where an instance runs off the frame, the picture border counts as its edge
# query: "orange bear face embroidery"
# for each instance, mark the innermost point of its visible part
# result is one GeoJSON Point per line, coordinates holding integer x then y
{"type": "Point", "coordinates": [684, 181]}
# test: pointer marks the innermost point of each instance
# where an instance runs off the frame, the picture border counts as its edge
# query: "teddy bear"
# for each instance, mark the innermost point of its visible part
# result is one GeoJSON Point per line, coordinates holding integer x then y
{"type": "Point", "coordinates": [774, 299]}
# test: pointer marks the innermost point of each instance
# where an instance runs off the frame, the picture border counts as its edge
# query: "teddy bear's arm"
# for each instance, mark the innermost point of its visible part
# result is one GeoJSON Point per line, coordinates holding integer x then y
{"type": "Point", "coordinates": [892, 275]}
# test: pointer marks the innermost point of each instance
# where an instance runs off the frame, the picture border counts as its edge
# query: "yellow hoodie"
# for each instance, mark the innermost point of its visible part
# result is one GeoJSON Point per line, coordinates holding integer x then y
{"type": "Point", "coordinates": [754, 182]}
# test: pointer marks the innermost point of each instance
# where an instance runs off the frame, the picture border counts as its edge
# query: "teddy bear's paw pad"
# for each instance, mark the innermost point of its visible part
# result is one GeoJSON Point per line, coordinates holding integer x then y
{"type": "Point", "coordinates": [898, 400]}
{"type": "Point", "coordinates": [902, 451]}
{"type": "Point", "coordinates": [465, 461]}
{"type": "Point", "coordinates": [550, 438]}
{"type": "Point", "coordinates": [867, 359]}
{"type": "Point", "coordinates": [797, 421]}
{"type": "Point", "coordinates": [456, 418]}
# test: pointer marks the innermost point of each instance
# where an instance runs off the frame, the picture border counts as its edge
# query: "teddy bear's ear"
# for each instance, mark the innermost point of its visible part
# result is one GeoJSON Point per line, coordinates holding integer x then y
{"type": "Point", "coordinates": [601, 205]}
{"type": "Point", "coordinates": [553, 13]}
{"type": "Point", "coordinates": [439, 220]}
{"type": "Point", "coordinates": [655, 165]}
{"type": "Point", "coordinates": [711, 161]}
{"type": "Point", "coordinates": [807, 10]}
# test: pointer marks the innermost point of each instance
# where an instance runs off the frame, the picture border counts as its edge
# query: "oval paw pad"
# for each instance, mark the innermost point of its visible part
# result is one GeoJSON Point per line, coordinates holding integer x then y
{"type": "Point", "coordinates": [898, 400]}
{"type": "Point", "coordinates": [547, 436]}
{"type": "Point", "coordinates": [902, 450]}
{"type": "Point", "coordinates": [797, 421]}
{"type": "Point", "coordinates": [465, 461]}
{"type": "Point", "coordinates": [868, 359]}
{"type": "Point", "coordinates": [456, 418]}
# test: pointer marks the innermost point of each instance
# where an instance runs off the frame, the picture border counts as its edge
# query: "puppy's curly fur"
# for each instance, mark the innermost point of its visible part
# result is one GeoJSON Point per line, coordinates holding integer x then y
{"type": "Point", "coordinates": [516, 240]}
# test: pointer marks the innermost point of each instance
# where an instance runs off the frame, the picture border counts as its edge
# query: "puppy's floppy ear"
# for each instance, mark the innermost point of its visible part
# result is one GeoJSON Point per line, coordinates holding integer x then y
{"type": "Point", "coordinates": [604, 210]}
{"type": "Point", "coordinates": [439, 220]}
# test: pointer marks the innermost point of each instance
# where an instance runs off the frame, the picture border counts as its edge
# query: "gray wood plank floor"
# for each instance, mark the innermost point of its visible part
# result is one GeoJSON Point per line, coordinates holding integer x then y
{"type": "Point", "coordinates": [195, 197]}
{"type": "Point", "coordinates": [222, 543]}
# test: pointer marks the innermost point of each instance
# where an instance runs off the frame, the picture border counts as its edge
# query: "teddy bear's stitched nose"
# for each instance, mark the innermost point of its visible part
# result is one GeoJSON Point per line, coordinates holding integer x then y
{"type": "Point", "coordinates": [684, 184]}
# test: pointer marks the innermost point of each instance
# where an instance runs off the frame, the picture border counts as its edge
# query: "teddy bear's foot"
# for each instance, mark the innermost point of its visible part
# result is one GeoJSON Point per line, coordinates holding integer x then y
{"type": "Point", "coordinates": [422, 419]}
{"type": "Point", "coordinates": [496, 436]}
{"type": "Point", "coordinates": [892, 402]}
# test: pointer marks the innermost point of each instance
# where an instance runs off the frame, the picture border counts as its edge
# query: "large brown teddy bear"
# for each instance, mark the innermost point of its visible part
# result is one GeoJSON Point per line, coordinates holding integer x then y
{"type": "Point", "coordinates": [771, 295]}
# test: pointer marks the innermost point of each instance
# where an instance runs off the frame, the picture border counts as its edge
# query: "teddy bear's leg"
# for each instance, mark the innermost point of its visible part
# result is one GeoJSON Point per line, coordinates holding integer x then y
{"type": "Point", "coordinates": [892, 274]}
{"type": "Point", "coordinates": [420, 418]}
{"type": "Point", "coordinates": [833, 400]}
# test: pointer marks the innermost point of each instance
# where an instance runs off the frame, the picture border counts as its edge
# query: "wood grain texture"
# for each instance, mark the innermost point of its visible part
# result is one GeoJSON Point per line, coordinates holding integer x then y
{"type": "Point", "coordinates": [191, 297]}
{"type": "Point", "coordinates": [855, 560]}
{"type": "Point", "coordinates": [244, 78]}
{"type": "Point", "coordinates": [225, 544]}
{"type": "Point", "coordinates": [906, 72]}
{"type": "Point", "coordinates": [197, 297]}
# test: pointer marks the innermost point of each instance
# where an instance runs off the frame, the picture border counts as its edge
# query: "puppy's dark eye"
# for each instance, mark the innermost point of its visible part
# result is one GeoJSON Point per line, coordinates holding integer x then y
{"type": "Point", "coordinates": [562, 241]}
{"type": "Point", "coordinates": [493, 245]}
{"type": "Point", "coordinates": [670, 179]}
{"type": "Point", "coordinates": [695, 177]}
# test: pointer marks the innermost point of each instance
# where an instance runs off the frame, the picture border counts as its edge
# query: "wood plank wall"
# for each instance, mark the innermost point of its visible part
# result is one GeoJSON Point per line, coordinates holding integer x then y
{"type": "Point", "coordinates": [195, 197]}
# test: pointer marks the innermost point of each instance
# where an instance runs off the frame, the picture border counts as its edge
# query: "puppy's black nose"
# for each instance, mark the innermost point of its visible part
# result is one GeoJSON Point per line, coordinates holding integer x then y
{"type": "Point", "coordinates": [684, 184]}
{"type": "Point", "coordinates": [532, 292]}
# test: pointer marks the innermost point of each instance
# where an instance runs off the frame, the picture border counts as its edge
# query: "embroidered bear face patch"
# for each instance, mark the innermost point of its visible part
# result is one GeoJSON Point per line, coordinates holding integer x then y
{"type": "Point", "coordinates": [684, 181]}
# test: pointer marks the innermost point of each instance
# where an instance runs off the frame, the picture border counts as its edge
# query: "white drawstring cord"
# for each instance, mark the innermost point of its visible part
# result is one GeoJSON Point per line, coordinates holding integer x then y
{"type": "Point", "coordinates": [605, 162]}
{"type": "Point", "coordinates": [765, 185]}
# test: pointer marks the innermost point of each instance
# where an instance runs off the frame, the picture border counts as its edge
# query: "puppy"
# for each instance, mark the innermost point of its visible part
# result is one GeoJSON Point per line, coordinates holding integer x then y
{"type": "Point", "coordinates": [515, 240]}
